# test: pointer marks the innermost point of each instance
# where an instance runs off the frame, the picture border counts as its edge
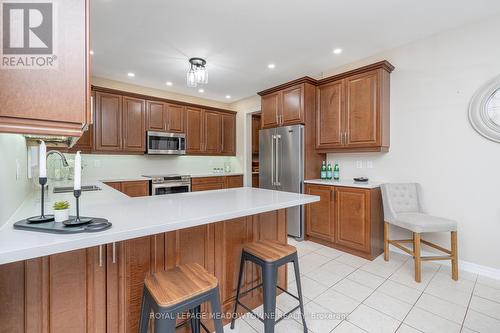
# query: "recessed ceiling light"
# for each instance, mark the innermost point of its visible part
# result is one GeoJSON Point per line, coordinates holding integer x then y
{"type": "Point", "coordinates": [271, 66]}
{"type": "Point", "coordinates": [131, 74]}
{"type": "Point", "coordinates": [228, 96]}
{"type": "Point", "coordinates": [337, 51]}
{"type": "Point", "coordinates": [201, 91]}
{"type": "Point", "coordinates": [91, 52]}
{"type": "Point", "coordinates": [169, 83]}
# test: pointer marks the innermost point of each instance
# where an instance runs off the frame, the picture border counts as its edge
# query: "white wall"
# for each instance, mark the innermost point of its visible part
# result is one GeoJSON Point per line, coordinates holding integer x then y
{"type": "Point", "coordinates": [431, 140]}
{"type": "Point", "coordinates": [12, 191]}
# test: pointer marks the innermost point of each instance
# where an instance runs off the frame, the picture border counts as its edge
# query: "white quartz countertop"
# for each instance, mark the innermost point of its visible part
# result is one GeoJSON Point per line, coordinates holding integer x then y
{"type": "Point", "coordinates": [344, 183]}
{"type": "Point", "coordinates": [137, 217]}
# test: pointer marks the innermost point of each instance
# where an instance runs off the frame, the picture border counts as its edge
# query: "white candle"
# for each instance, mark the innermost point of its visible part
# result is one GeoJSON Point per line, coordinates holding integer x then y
{"type": "Point", "coordinates": [42, 161]}
{"type": "Point", "coordinates": [78, 171]}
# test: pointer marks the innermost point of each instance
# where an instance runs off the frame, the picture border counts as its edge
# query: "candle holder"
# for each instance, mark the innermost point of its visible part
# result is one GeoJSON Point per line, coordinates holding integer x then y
{"type": "Point", "coordinates": [77, 220]}
{"type": "Point", "coordinates": [42, 218]}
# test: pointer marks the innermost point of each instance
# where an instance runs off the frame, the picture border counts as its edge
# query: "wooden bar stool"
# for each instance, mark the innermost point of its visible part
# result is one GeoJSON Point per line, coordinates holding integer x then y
{"type": "Point", "coordinates": [269, 255]}
{"type": "Point", "coordinates": [170, 293]}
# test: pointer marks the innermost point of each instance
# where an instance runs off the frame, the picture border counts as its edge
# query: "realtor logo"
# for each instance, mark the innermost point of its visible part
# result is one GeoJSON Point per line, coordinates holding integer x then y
{"type": "Point", "coordinates": [28, 35]}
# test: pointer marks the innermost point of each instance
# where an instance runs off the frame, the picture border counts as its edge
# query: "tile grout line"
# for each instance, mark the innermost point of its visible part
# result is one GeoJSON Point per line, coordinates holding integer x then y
{"type": "Point", "coordinates": [468, 304]}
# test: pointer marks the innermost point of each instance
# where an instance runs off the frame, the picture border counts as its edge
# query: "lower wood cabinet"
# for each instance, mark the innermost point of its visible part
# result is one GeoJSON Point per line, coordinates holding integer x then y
{"type": "Point", "coordinates": [99, 289]}
{"type": "Point", "coordinates": [349, 219]}
{"type": "Point", "coordinates": [138, 188]}
{"type": "Point", "coordinates": [216, 183]}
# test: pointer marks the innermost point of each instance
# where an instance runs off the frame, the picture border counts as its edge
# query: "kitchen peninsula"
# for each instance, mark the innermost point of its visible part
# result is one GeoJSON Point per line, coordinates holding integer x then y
{"type": "Point", "coordinates": [92, 282]}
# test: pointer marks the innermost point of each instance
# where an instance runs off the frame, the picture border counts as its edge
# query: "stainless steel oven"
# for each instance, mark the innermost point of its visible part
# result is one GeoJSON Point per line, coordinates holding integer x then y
{"type": "Point", "coordinates": [160, 143]}
{"type": "Point", "coordinates": [170, 184]}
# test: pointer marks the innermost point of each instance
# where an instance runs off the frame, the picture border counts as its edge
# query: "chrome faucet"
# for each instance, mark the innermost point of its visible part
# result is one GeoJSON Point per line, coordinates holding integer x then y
{"type": "Point", "coordinates": [63, 158]}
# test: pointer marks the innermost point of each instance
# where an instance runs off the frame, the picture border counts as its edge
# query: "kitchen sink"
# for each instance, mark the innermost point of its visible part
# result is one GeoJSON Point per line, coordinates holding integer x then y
{"type": "Point", "coordinates": [68, 189]}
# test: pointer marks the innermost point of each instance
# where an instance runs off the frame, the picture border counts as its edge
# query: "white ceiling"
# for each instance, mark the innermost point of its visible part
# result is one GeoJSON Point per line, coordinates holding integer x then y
{"type": "Point", "coordinates": [239, 38]}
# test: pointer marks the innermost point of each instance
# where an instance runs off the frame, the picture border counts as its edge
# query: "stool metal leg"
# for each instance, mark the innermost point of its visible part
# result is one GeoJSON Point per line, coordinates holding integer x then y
{"type": "Point", "coordinates": [240, 277]}
{"type": "Point", "coordinates": [216, 311]}
{"type": "Point", "coordinates": [270, 278]}
{"type": "Point", "coordinates": [195, 319]}
{"type": "Point", "coordinates": [145, 312]}
{"type": "Point", "coordinates": [299, 290]}
{"type": "Point", "coordinates": [165, 323]}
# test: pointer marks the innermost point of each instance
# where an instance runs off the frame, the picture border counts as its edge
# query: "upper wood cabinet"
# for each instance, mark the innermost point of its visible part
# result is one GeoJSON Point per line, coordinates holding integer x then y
{"type": "Point", "coordinates": [54, 100]}
{"type": "Point", "coordinates": [164, 117]}
{"type": "Point", "coordinates": [353, 111]}
{"type": "Point", "coordinates": [134, 125]}
{"type": "Point", "coordinates": [347, 218]}
{"type": "Point", "coordinates": [228, 134]}
{"type": "Point", "coordinates": [256, 123]}
{"type": "Point", "coordinates": [119, 124]}
{"type": "Point", "coordinates": [210, 132]}
{"type": "Point", "coordinates": [284, 107]}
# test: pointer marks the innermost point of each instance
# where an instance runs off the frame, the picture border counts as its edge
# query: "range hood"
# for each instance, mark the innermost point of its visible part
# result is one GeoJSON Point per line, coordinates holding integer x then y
{"type": "Point", "coordinates": [51, 141]}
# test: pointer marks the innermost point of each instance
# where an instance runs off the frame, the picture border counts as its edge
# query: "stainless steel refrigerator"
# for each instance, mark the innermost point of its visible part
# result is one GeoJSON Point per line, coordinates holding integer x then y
{"type": "Point", "coordinates": [281, 168]}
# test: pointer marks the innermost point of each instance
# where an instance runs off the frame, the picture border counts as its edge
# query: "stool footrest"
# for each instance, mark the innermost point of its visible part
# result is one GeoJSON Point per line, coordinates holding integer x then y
{"type": "Point", "coordinates": [250, 310]}
{"type": "Point", "coordinates": [249, 290]}
{"type": "Point", "coordinates": [288, 313]}
{"type": "Point", "coordinates": [283, 290]}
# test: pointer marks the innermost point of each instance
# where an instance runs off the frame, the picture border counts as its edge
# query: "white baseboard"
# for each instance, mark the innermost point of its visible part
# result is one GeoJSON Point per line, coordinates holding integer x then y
{"type": "Point", "coordinates": [467, 266]}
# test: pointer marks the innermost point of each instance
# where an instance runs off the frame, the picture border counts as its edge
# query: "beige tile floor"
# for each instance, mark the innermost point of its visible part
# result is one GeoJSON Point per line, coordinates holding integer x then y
{"type": "Point", "coordinates": [344, 293]}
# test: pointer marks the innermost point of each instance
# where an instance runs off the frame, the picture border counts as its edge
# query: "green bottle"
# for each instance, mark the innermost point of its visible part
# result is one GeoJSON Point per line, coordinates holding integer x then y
{"type": "Point", "coordinates": [323, 170]}
{"type": "Point", "coordinates": [329, 172]}
{"type": "Point", "coordinates": [336, 171]}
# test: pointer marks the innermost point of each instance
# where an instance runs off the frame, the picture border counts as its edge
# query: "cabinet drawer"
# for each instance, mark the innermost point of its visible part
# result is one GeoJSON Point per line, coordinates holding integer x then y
{"type": "Point", "coordinates": [207, 180]}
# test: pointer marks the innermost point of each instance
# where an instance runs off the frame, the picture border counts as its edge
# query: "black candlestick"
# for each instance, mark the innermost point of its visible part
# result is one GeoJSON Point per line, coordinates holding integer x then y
{"type": "Point", "coordinates": [77, 220]}
{"type": "Point", "coordinates": [42, 218]}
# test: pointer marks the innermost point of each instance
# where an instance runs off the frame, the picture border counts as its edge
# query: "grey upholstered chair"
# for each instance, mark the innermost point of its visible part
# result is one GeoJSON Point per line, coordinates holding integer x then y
{"type": "Point", "coordinates": [402, 208]}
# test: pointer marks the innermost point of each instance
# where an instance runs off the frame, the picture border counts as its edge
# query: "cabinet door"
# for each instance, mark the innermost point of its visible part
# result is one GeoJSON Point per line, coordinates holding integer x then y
{"type": "Point", "coordinates": [228, 134]}
{"type": "Point", "coordinates": [128, 263]}
{"type": "Point", "coordinates": [255, 133]}
{"type": "Point", "coordinates": [352, 218]}
{"type": "Point", "coordinates": [255, 180]}
{"type": "Point", "coordinates": [329, 119]}
{"type": "Point", "coordinates": [108, 122]}
{"type": "Point", "coordinates": [116, 185]}
{"type": "Point", "coordinates": [361, 110]}
{"type": "Point", "coordinates": [194, 130]}
{"type": "Point", "coordinates": [320, 216]}
{"type": "Point", "coordinates": [54, 100]}
{"type": "Point", "coordinates": [270, 105]}
{"type": "Point", "coordinates": [176, 118]}
{"type": "Point", "coordinates": [234, 181]}
{"type": "Point", "coordinates": [208, 187]}
{"type": "Point", "coordinates": [213, 132]}
{"type": "Point", "coordinates": [135, 188]}
{"type": "Point", "coordinates": [156, 116]}
{"type": "Point", "coordinates": [134, 125]}
{"type": "Point", "coordinates": [292, 111]}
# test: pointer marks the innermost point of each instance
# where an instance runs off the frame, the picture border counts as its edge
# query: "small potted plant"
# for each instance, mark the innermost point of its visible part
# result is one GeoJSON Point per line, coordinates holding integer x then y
{"type": "Point", "coordinates": [61, 211]}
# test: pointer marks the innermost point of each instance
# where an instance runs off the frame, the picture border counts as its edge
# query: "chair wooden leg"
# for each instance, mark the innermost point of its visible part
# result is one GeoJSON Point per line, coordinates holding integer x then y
{"type": "Point", "coordinates": [386, 241]}
{"type": "Point", "coordinates": [416, 256]}
{"type": "Point", "coordinates": [454, 256]}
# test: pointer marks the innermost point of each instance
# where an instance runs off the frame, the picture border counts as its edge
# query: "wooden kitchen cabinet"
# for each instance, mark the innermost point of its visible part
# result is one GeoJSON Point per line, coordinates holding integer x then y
{"type": "Point", "coordinates": [164, 117]}
{"type": "Point", "coordinates": [284, 107]}
{"type": "Point", "coordinates": [346, 218]}
{"type": "Point", "coordinates": [52, 101]}
{"type": "Point", "coordinates": [138, 188]}
{"type": "Point", "coordinates": [216, 183]}
{"type": "Point", "coordinates": [320, 216]}
{"type": "Point", "coordinates": [210, 132]}
{"type": "Point", "coordinates": [108, 122]}
{"type": "Point", "coordinates": [213, 131]}
{"type": "Point", "coordinates": [271, 110]}
{"type": "Point", "coordinates": [353, 110]}
{"type": "Point", "coordinates": [134, 125]}
{"type": "Point", "coordinates": [256, 124]}
{"type": "Point", "coordinates": [228, 134]}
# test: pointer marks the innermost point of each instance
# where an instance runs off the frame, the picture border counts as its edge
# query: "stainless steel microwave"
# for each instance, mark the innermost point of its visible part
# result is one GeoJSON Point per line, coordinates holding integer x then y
{"type": "Point", "coordinates": [160, 143]}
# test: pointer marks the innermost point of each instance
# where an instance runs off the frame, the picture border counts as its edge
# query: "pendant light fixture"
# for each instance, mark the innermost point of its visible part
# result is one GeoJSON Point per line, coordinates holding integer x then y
{"type": "Point", "coordinates": [197, 73]}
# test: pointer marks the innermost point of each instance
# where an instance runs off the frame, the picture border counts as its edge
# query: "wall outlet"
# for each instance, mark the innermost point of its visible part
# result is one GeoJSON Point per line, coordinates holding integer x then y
{"type": "Point", "coordinates": [369, 164]}
{"type": "Point", "coordinates": [359, 164]}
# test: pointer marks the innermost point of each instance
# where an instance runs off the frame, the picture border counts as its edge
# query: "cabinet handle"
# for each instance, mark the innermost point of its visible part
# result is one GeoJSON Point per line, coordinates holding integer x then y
{"type": "Point", "coordinates": [114, 253]}
{"type": "Point", "coordinates": [100, 255]}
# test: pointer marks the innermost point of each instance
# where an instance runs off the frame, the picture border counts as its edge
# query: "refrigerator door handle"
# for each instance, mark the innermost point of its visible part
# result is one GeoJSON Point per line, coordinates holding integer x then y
{"type": "Point", "coordinates": [277, 163]}
{"type": "Point", "coordinates": [273, 169]}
